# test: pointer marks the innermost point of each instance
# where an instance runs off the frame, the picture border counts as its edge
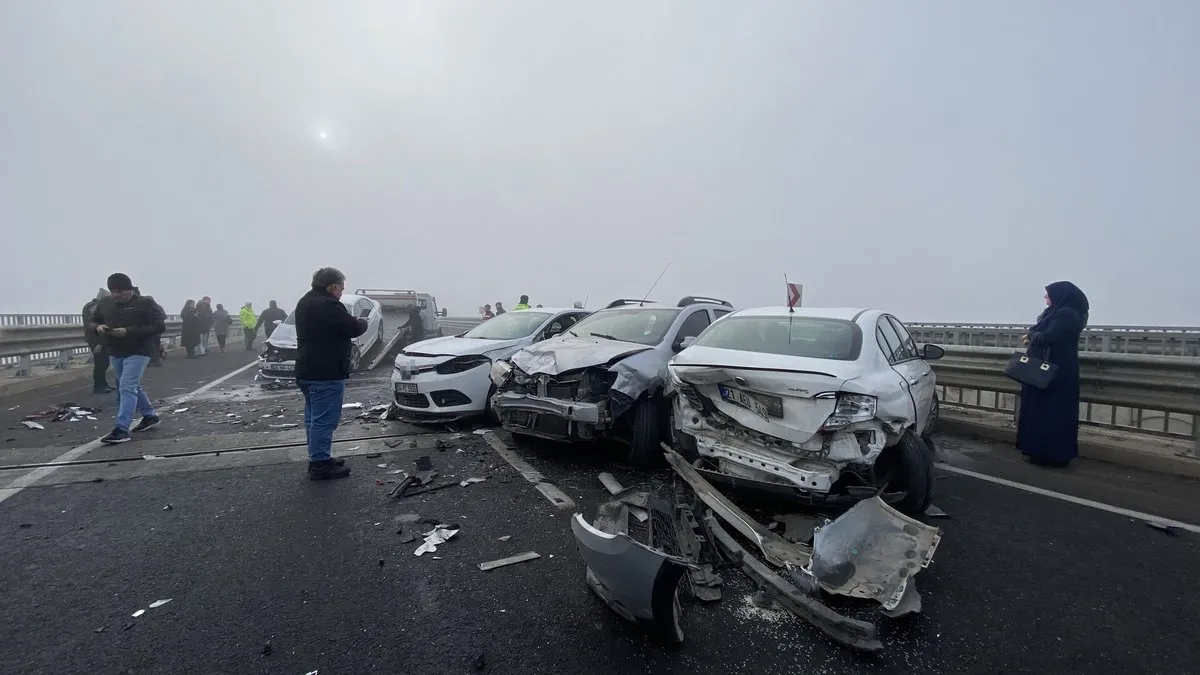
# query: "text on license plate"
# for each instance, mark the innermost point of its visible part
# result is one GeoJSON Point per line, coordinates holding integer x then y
{"type": "Point", "coordinates": [739, 397]}
{"type": "Point", "coordinates": [281, 367]}
{"type": "Point", "coordinates": [406, 388]}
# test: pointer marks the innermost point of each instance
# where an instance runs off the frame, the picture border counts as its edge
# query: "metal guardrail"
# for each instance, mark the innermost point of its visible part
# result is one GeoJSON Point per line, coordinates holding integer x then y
{"type": "Point", "coordinates": [1163, 340]}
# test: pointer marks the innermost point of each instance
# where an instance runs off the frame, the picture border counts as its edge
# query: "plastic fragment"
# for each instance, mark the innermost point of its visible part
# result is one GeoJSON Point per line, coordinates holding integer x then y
{"type": "Point", "coordinates": [351, 406]}
{"type": "Point", "coordinates": [160, 603]}
{"type": "Point", "coordinates": [181, 410]}
{"type": "Point", "coordinates": [33, 425]}
{"type": "Point", "coordinates": [139, 613]}
{"type": "Point", "coordinates": [511, 560]}
{"type": "Point", "coordinates": [468, 481]}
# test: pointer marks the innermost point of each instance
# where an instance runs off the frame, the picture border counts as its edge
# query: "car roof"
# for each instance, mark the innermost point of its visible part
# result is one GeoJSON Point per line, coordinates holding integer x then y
{"type": "Point", "coordinates": [844, 313]}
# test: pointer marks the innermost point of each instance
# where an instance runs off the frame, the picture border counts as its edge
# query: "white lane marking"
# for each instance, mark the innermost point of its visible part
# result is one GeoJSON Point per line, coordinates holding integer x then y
{"type": "Point", "coordinates": [556, 496]}
{"type": "Point", "coordinates": [1195, 529]}
{"type": "Point", "coordinates": [22, 482]}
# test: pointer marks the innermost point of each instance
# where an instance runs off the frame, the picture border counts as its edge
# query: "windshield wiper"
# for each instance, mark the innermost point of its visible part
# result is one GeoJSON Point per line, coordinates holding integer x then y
{"type": "Point", "coordinates": [573, 333]}
{"type": "Point", "coordinates": [608, 337]}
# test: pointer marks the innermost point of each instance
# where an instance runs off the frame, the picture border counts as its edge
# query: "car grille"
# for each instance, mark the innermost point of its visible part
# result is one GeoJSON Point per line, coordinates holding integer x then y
{"type": "Point", "coordinates": [412, 400]}
{"type": "Point", "coordinates": [546, 424]}
{"type": "Point", "coordinates": [276, 355]}
{"type": "Point", "coordinates": [444, 398]}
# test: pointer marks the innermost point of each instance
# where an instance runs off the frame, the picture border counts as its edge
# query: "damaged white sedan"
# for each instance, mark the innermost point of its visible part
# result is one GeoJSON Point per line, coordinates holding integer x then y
{"type": "Point", "coordinates": [830, 406]}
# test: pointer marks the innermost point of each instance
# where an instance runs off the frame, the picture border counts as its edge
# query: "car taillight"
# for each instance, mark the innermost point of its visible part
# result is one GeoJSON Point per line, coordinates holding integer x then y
{"type": "Point", "coordinates": [461, 364]}
{"type": "Point", "coordinates": [849, 409]}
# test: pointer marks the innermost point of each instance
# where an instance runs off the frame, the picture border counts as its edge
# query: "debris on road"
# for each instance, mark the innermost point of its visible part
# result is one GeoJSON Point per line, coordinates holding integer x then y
{"type": "Point", "coordinates": [394, 443]}
{"type": "Point", "coordinates": [382, 407]}
{"type": "Point", "coordinates": [180, 410]}
{"type": "Point", "coordinates": [139, 613]}
{"type": "Point", "coordinates": [932, 511]}
{"type": "Point", "coordinates": [382, 466]}
{"type": "Point", "coordinates": [159, 603]}
{"type": "Point", "coordinates": [169, 507]}
{"type": "Point", "coordinates": [65, 412]}
{"type": "Point", "coordinates": [267, 649]}
{"type": "Point", "coordinates": [286, 425]}
{"type": "Point", "coordinates": [435, 537]}
{"type": "Point", "coordinates": [610, 483]}
{"type": "Point", "coordinates": [504, 538]}
{"type": "Point", "coordinates": [510, 560]}
{"type": "Point", "coordinates": [468, 481]}
{"type": "Point", "coordinates": [351, 406]}
{"type": "Point", "coordinates": [151, 457]}
{"type": "Point", "coordinates": [1163, 527]}
{"type": "Point", "coordinates": [33, 425]}
{"type": "Point", "coordinates": [480, 432]}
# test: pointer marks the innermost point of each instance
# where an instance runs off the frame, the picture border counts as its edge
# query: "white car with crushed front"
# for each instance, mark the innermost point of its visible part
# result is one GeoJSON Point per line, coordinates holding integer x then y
{"type": "Point", "coordinates": [827, 405]}
{"type": "Point", "coordinates": [278, 360]}
{"type": "Point", "coordinates": [447, 377]}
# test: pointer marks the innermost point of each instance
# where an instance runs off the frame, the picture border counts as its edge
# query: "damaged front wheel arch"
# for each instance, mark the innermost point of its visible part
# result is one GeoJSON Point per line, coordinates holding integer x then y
{"type": "Point", "coordinates": [647, 432]}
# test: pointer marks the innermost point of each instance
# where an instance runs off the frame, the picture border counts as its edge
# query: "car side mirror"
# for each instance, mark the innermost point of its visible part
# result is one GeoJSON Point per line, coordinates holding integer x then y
{"type": "Point", "coordinates": [683, 343]}
{"type": "Point", "coordinates": [932, 352]}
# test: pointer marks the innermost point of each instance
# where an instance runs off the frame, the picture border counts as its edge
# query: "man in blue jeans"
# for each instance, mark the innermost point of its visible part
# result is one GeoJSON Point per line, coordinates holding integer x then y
{"type": "Point", "coordinates": [129, 324]}
{"type": "Point", "coordinates": [324, 334]}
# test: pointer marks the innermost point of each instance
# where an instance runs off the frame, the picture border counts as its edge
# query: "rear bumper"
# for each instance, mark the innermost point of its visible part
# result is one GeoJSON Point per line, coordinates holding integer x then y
{"type": "Point", "coordinates": [550, 417]}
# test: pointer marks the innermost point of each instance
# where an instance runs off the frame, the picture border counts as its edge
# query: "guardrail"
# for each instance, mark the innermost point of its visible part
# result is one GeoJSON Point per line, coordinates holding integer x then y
{"type": "Point", "coordinates": [1164, 340]}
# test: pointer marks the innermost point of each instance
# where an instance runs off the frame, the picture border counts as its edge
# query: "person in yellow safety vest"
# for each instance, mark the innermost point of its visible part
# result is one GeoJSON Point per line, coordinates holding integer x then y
{"type": "Point", "coordinates": [249, 325]}
{"type": "Point", "coordinates": [523, 304]}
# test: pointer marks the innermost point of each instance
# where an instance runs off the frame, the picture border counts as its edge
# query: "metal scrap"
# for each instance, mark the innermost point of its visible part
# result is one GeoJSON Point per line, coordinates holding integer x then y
{"type": "Point", "coordinates": [610, 483]}
{"type": "Point", "coordinates": [511, 560]}
{"type": "Point", "coordinates": [435, 537]}
{"type": "Point", "coordinates": [33, 425]}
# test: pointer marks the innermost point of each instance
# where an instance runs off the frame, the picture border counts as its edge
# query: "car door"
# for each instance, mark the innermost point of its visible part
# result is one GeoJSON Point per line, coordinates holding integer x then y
{"type": "Point", "coordinates": [926, 388]}
{"type": "Point", "coordinates": [900, 360]}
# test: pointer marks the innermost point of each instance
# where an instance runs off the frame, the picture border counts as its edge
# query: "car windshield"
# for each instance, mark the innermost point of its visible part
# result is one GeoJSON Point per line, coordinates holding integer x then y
{"type": "Point", "coordinates": [291, 320]}
{"type": "Point", "coordinates": [643, 326]}
{"type": "Point", "coordinates": [806, 337]}
{"type": "Point", "coordinates": [509, 326]}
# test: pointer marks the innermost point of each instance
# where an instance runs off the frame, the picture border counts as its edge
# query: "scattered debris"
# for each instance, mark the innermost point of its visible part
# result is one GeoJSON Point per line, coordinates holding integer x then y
{"type": "Point", "coordinates": [611, 484]}
{"type": "Point", "coordinates": [159, 603]}
{"type": "Point", "coordinates": [151, 457]}
{"type": "Point", "coordinates": [438, 535]}
{"type": "Point", "coordinates": [99, 630]}
{"type": "Point", "coordinates": [408, 539]}
{"type": "Point", "coordinates": [468, 481]}
{"type": "Point", "coordinates": [351, 406]}
{"type": "Point", "coordinates": [33, 425]}
{"type": "Point", "coordinates": [442, 444]}
{"type": "Point", "coordinates": [25, 526]}
{"type": "Point", "coordinates": [267, 649]}
{"type": "Point", "coordinates": [382, 407]}
{"type": "Point", "coordinates": [381, 562]}
{"type": "Point", "coordinates": [505, 537]}
{"type": "Point", "coordinates": [510, 560]}
{"type": "Point", "coordinates": [180, 410]}
{"type": "Point", "coordinates": [139, 613]}
{"type": "Point", "coordinates": [382, 466]}
{"type": "Point", "coordinates": [394, 443]}
{"type": "Point", "coordinates": [374, 455]}
{"type": "Point", "coordinates": [66, 412]}
{"type": "Point", "coordinates": [169, 507]}
{"type": "Point", "coordinates": [480, 432]}
{"type": "Point", "coordinates": [128, 626]}
{"type": "Point", "coordinates": [1163, 527]}
{"type": "Point", "coordinates": [286, 425]}
{"type": "Point", "coordinates": [932, 511]}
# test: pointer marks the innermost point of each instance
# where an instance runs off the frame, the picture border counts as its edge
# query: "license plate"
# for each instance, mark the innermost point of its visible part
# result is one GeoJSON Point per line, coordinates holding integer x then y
{"type": "Point", "coordinates": [280, 367]}
{"type": "Point", "coordinates": [745, 400]}
{"type": "Point", "coordinates": [406, 388]}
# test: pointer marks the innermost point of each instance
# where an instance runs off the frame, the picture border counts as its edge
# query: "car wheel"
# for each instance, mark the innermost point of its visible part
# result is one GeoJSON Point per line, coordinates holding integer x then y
{"type": "Point", "coordinates": [644, 450]}
{"type": "Point", "coordinates": [355, 357]}
{"type": "Point", "coordinates": [908, 466]}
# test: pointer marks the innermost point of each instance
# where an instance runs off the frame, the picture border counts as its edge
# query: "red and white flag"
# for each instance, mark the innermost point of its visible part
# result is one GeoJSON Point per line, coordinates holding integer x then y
{"type": "Point", "coordinates": [794, 294]}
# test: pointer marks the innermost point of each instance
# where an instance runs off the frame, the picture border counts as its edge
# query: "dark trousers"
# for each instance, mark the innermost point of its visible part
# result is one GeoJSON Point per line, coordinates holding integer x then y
{"type": "Point", "coordinates": [100, 365]}
{"type": "Point", "coordinates": [322, 412]}
{"type": "Point", "coordinates": [221, 340]}
{"type": "Point", "coordinates": [248, 334]}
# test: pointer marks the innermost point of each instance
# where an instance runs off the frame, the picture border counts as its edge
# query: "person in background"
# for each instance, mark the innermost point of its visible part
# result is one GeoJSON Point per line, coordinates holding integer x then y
{"type": "Point", "coordinates": [190, 333]}
{"type": "Point", "coordinates": [416, 324]}
{"type": "Point", "coordinates": [99, 350]}
{"type": "Point", "coordinates": [1048, 420]}
{"type": "Point", "coordinates": [204, 311]}
{"type": "Point", "coordinates": [324, 333]}
{"type": "Point", "coordinates": [539, 306]}
{"type": "Point", "coordinates": [249, 325]}
{"type": "Point", "coordinates": [269, 316]}
{"type": "Point", "coordinates": [523, 304]}
{"type": "Point", "coordinates": [130, 325]}
{"type": "Point", "coordinates": [161, 353]}
{"type": "Point", "coordinates": [500, 308]}
{"type": "Point", "coordinates": [221, 323]}
{"type": "Point", "coordinates": [487, 313]}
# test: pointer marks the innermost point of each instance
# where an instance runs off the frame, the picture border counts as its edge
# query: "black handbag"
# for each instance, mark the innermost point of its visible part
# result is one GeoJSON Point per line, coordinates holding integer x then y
{"type": "Point", "coordinates": [1030, 370]}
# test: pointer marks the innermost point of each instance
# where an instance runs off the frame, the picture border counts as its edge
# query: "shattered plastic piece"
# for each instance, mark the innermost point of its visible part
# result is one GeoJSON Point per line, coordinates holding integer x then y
{"type": "Point", "coordinates": [511, 560]}
{"type": "Point", "coordinates": [382, 407]}
{"type": "Point", "coordinates": [433, 538]}
{"type": "Point", "coordinates": [286, 425]}
{"type": "Point", "coordinates": [351, 406]}
{"type": "Point", "coordinates": [932, 511]}
{"type": "Point", "coordinates": [1163, 527]}
{"type": "Point", "coordinates": [468, 481]}
{"type": "Point", "coordinates": [614, 488]}
{"type": "Point", "coordinates": [180, 410]}
{"type": "Point", "coordinates": [480, 432]}
{"type": "Point", "coordinates": [382, 466]}
{"type": "Point", "coordinates": [910, 603]}
{"type": "Point", "coordinates": [872, 551]}
{"type": "Point", "coordinates": [168, 507]}
{"type": "Point", "coordinates": [505, 537]}
{"type": "Point", "coordinates": [160, 603]}
{"type": "Point", "coordinates": [139, 613]}
{"type": "Point", "coordinates": [33, 425]}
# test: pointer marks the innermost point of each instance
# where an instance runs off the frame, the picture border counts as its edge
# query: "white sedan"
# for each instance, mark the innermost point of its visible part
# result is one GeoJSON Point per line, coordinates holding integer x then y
{"type": "Point", "coordinates": [448, 377]}
{"type": "Point", "coordinates": [830, 405]}
{"type": "Point", "coordinates": [278, 360]}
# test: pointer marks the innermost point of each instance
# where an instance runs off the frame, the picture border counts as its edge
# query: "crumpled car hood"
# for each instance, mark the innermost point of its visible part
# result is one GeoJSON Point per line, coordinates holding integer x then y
{"type": "Point", "coordinates": [284, 336]}
{"type": "Point", "coordinates": [457, 346]}
{"type": "Point", "coordinates": [564, 354]}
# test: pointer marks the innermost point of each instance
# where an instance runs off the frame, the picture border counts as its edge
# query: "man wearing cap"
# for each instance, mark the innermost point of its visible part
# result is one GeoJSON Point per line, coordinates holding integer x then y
{"type": "Point", "coordinates": [129, 324]}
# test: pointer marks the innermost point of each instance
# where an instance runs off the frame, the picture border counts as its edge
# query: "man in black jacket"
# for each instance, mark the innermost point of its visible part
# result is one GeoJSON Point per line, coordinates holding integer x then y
{"type": "Point", "coordinates": [324, 332]}
{"type": "Point", "coordinates": [268, 318]}
{"type": "Point", "coordinates": [99, 351]}
{"type": "Point", "coordinates": [129, 324]}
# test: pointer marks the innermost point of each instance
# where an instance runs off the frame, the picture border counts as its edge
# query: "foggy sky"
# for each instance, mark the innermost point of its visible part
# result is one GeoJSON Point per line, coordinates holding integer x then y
{"type": "Point", "coordinates": [942, 160]}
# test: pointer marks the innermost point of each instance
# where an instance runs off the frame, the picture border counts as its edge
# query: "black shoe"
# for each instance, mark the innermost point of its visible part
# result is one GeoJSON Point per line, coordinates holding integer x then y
{"type": "Point", "coordinates": [337, 461]}
{"type": "Point", "coordinates": [327, 470]}
{"type": "Point", "coordinates": [116, 436]}
{"type": "Point", "coordinates": [102, 390]}
{"type": "Point", "coordinates": [147, 423]}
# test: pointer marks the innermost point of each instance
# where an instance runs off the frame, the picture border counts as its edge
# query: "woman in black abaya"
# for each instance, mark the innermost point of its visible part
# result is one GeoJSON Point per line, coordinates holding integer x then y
{"type": "Point", "coordinates": [1048, 423]}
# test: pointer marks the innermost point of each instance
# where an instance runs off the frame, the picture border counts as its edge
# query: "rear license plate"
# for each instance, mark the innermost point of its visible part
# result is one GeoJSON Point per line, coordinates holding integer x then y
{"type": "Point", "coordinates": [745, 400]}
{"type": "Point", "coordinates": [406, 388]}
{"type": "Point", "coordinates": [280, 367]}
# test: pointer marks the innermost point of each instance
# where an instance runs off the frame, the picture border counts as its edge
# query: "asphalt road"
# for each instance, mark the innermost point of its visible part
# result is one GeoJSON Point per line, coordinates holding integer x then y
{"type": "Point", "coordinates": [249, 553]}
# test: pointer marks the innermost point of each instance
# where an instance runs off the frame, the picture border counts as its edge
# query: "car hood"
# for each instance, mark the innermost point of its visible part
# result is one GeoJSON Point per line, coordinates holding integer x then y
{"type": "Point", "coordinates": [284, 336]}
{"type": "Point", "coordinates": [452, 346]}
{"type": "Point", "coordinates": [564, 354]}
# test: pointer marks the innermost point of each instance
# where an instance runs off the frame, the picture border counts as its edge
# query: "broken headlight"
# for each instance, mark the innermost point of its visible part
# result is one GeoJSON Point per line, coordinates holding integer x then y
{"type": "Point", "coordinates": [500, 371]}
{"type": "Point", "coordinates": [461, 364]}
{"type": "Point", "coordinates": [850, 409]}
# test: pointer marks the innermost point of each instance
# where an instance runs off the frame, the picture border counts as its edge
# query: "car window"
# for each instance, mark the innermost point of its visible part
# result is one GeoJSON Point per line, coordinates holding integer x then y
{"type": "Point", "coordinates": [906, 341]}
{"type": "Point", "coordinates": [509, 326]}
{"type": "Point", "coordinates": [807, 337]}
{"type": "Point", "coordinates": [291, 319]}
{"type": "Point", "coordinates": [889, 341]}
{"type": "Point", "coordinates": [693, 325]}
{"type": "Point", "coordinates": [718, 313]}
{"type": "Point", "coordinates": [642, 326]}
{"type": "Point", "coordinates": [423, 303]}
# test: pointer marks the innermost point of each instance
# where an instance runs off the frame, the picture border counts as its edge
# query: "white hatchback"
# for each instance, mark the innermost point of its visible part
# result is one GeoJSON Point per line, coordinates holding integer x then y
{"type": "Point", "coordinates": [448, 377]}
{"type": "Point", "coordinates": [278, 359]}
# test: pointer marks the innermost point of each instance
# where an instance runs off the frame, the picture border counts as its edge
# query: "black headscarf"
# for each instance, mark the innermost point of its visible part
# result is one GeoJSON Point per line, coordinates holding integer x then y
{"type": "Point", "coordinates": [1063, 295]}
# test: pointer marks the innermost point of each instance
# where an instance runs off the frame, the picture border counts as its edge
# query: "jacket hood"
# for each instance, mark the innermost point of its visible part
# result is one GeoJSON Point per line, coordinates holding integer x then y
{"type": "Point", "coordinates": [564, 354]}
